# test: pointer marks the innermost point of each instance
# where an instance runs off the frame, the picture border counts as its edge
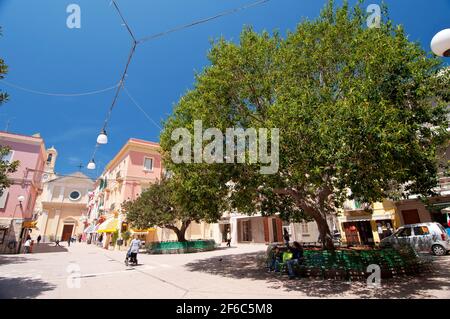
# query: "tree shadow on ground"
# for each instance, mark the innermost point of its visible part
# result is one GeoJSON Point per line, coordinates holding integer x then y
{"type": "Point", "coordinates": [251, 266]}
{"type": "Point", "coordinates": [48, 248]}
{"type": "Point", "coordinates": [23, 287]}
{"type": "Point", "coordinates": [14, 259]}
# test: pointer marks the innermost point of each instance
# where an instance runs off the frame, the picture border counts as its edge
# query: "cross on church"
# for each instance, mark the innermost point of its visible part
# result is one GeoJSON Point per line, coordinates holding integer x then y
{"type": "Point", "coordinates": [80, 166]}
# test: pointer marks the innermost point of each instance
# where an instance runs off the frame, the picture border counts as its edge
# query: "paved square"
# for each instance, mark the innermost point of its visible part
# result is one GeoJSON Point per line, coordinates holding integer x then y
{"type": "Point", "coordinates": [224, 273]}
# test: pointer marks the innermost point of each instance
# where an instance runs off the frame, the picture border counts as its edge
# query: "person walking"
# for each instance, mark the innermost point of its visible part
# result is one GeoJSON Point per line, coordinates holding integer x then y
{"type": "Point", "coordinates": [57, 243]}
{"type": "Point", "coordinates": [135, 245]}
{"type": "Point", "coordinates": [39, 239]}
{"type": "Point", "coordinates": [27, 246]}
{"type": "Point", "coordinates": [286, 236]}
{"type": "Point", "coordinates": [68, 241]}
{"type": "Point", "coordinates": [228, 238]}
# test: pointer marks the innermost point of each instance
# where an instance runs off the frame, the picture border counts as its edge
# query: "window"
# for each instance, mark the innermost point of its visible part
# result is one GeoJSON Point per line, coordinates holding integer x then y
{"type": "Point", "coordinates": [49, 158]}
{"type": "Point", "coordinates": [8, 157]}
{"type": "Point", "coordinates": [3, 198]}
{"type": "Point", "coordinates": [305, 229]}
{"type": "Point", "coordinates": [74, 195]}
{"type": "Point", "coordinates": [405, 232]}
{"type": "Point", "coordinates": [421, 231]}
{"type": "Point", "coordinates": [148, 164]}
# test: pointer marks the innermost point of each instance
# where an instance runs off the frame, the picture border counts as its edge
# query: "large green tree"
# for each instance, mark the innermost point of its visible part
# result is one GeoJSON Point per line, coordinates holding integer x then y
{"type": "Point", "coordinates": [172, 205]}
{"type": "Point", "coordinates": [360, 110]}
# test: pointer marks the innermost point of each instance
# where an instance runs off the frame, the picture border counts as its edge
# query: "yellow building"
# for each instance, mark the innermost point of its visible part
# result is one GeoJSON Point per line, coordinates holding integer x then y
{"type": "Point", "coordinates": [61, 207]}
{"type": "Point", "coordinates": [362, 224]}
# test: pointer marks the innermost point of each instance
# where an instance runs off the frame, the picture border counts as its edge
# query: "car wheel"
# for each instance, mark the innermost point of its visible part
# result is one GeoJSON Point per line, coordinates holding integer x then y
{"type": "Point", "coordinates": [438, 250]}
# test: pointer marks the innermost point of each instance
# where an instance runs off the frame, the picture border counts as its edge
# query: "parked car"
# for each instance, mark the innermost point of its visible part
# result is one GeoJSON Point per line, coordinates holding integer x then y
{"type": "Point", "coordinates": [430, 237]}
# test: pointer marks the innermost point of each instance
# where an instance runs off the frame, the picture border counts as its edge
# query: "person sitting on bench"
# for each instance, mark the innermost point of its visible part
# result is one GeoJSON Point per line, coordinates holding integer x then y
{"type": "Point", "coordinates": [274, 258]}
{"type": "Point", "coordinates": [297, 256]}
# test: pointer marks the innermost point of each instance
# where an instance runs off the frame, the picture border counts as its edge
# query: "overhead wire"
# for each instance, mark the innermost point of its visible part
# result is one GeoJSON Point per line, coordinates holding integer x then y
{"type": "Point", "coordinates": [151, 37]}
{"type": "Point", "coordinates": [18, 87]}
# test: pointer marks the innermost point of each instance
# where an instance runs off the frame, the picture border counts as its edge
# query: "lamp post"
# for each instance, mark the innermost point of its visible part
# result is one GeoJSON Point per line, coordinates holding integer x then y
{"type": "Point", "coordinates": [440, 44]}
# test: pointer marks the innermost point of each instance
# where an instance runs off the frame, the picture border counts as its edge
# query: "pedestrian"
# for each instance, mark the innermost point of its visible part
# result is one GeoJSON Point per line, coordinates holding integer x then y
{"type": "Point", "coordinates": [68, 241]}
{"type": "Point", "coordinates": [79, 238]}
{"type": "Point", "coordinates": [286, 237]}
{"type": "Point", "coordinates": [39, 239]}
{"type": "Point", "coordinates": [135, 245]}
{"type": "Point", "coordinates": [275, 258]}
{"type": "Point", "coordinates": [297, 257]}
{"type": "Point", "coordinates": [228, 238]}
{"type": "Point", "coordinates": [57, 243]}
{"type": "Point", "coordinates": [27, 246]}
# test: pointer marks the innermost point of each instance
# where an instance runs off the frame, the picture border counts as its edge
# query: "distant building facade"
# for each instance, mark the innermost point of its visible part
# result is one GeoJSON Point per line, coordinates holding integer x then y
{"type": "Point", "coordinates": [16, 217]}
{"type": "Point", "coordinates": [61, 210]}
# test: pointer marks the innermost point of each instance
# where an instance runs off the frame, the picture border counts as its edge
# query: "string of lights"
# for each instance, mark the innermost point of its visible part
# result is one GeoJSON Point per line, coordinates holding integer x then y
{"type": "Point", "coordinates": [18, 87]}
{"type": "Point", "coordinates": [103, 137]}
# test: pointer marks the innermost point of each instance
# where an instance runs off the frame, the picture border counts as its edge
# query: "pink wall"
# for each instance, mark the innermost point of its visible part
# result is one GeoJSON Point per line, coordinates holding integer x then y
{"type": "Point", "coordinates": [30, 156]}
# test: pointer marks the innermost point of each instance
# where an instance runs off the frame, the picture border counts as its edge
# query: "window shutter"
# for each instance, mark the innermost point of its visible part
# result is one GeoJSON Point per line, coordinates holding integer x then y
{"type": "Point", "coordinates": [3, 198]}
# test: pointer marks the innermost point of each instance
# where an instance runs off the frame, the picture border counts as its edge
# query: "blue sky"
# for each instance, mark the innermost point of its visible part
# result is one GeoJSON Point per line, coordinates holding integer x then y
{"type": "Point", "coordinates": [44, 55]}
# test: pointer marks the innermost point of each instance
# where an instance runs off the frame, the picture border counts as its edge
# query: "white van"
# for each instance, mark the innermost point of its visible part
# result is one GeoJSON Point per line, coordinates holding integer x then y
{"type": "Point", "coordinates": [430, 237]}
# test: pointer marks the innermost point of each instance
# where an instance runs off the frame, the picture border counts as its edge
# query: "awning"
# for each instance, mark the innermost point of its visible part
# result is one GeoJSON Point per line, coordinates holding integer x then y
{"type": "Point", "coordinates": [90, 229]}
{"type": "Point", "coordinates": [29, 224]}
{"type": "Point", "coordinates": [108, 226]}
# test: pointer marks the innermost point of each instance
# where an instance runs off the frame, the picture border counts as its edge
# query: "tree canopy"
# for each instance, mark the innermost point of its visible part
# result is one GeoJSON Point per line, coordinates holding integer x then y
{"type": "Point", "coordinates": [172, 205]}
{"type": "Point", "coordinates": [361, 113]}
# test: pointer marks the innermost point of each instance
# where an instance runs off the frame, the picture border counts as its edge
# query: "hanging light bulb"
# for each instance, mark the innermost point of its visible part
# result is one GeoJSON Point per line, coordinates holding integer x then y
{"type": "Point", "coordinates": [440, 44]}
{"type": "Point", "coordinates": [102, 137]}
{"type": "Point", "coordinates": [91, 164]}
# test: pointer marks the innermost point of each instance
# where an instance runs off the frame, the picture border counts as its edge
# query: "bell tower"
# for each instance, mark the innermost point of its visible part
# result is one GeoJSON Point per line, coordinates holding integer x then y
{"type": "Point", "coordinates": [51, 160]}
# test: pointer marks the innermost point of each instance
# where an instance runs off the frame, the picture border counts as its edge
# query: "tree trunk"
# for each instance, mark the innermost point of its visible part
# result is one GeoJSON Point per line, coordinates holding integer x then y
{"type": "Point", "coordinates": [324, 230]}
{"type": "Point", "coordinates": [180, 232]}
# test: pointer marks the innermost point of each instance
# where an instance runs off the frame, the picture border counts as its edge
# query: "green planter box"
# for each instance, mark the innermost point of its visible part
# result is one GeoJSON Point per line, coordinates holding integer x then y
{"type": "Point", "coordinates": [174, 247]}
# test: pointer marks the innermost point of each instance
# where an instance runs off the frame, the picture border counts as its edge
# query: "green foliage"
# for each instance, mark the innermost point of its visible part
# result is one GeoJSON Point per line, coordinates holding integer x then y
{"type": "Point", "coordinates": [6, 168]}
{"type": "Point", "coordinates": [173, 205]}
{"type": "Point", "coordinates": [358, 109]}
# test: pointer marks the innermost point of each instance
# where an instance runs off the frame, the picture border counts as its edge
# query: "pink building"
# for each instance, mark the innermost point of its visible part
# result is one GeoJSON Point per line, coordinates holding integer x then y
{"type": "Point", "coordinates": [17, 202]}
{"type": "Point", "coordinates": [137, 165]}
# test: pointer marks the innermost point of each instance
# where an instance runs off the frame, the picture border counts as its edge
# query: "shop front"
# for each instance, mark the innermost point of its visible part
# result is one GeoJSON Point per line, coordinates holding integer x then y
{"type": "Point", "coordinates": [365, 229]}
{"type": "Point", "coordinates": [107, 231]}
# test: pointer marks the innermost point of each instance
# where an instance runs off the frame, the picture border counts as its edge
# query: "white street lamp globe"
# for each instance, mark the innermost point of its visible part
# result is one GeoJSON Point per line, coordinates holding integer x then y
{"type": "Point", "coordinates": [91, 165]}
{"type": "Point", "coordinates": [102, 138]}
{"type": "Point", "coordinates": [440, 44]}
{"type": "Point", "coordinates": [21, 198]}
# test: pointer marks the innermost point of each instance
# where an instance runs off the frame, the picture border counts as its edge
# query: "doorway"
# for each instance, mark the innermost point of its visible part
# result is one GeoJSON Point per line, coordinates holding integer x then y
{"type": "Point", "coordinates": [274, 230]}
{"type": "Point", "coordinates": [67, 232]}
{"type": "Point", "coordinates": [246, 231]}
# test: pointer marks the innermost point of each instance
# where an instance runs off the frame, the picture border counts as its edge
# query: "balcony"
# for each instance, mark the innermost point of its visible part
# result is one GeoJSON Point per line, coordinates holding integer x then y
{"type": "Point", "coordinates": [443, 187]}
{"type": "Point", "coordinates": [356, 205]}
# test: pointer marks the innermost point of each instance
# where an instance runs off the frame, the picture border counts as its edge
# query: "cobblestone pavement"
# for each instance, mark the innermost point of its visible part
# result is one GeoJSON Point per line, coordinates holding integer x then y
{"type": "Point", "coordinates": [85, 271]}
